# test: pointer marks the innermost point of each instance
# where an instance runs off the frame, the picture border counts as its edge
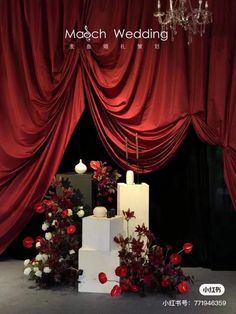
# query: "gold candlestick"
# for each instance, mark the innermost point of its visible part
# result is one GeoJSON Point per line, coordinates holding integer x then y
{"type": "Point", "coordinates": [126, 151]}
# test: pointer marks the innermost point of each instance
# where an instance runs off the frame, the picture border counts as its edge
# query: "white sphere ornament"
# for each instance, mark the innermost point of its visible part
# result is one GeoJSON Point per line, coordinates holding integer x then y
{"type": "Point", "coordinates": [100, 212]}
{"type": "Point", "coordinates": [80, 168]}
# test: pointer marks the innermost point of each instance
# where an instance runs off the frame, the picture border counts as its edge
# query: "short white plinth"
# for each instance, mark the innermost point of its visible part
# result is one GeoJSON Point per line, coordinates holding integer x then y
{"type": "Point", "coordinates": [92, 262]}
{"type": "Point", "coordinates": [98, 233]}
{"type": "Point", "coordinates": [99, 253]}
{"type": "Point", "coordinates": [135, 197]}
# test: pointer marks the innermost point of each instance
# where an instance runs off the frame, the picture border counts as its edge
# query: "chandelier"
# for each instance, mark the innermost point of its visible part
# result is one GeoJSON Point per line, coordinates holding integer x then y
{"type": "Point", "coordinates": [181, 13]}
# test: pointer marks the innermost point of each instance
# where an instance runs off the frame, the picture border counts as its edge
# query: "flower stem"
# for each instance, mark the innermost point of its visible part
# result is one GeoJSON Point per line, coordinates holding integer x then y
{"type": "Point", "coordinates": [127, 228]}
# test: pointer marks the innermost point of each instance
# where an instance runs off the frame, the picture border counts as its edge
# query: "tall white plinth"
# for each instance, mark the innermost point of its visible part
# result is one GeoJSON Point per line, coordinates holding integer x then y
{"type": "Point", "coordinates": [99, 253]}
{"type": "Point", "coordinates": [135, 197]}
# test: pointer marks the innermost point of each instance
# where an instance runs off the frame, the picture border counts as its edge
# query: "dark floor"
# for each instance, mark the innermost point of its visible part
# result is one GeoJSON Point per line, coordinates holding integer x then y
{"type": "Point", "coordinates": [19, 295]}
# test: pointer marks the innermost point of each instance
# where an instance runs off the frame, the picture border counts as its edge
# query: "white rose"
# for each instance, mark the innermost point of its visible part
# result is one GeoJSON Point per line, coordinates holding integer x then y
{"type": "Point", "coordinates": [44, 257]}
{"type": "Point", "coordinates": [47, 270]}
{"type": "Point", "coordinates": [27, 271]}
{"type": "Point", "coordinates": [38, 273]}
{"type": "Point", "coordinates": [48, 236]}
{"type": "Point", "coordinates": [54, 222]}
{"type": "Point", "coordinates": [70, 212]}
{"type": "Point", "coordinates": [26, 262]}
{"type": "Point", "coordinates": [38, 257]}
{"type": "Point", "coordinates": [38, 244]}
{"type": "Point", "coordinates": [80, 213]}
{"type": "Point", "coordinates": [72, 252]}
{"type": "Point", "coordinates": [35, 269]}
{"type": "Point", "coordinates": [49, 214]}
{"type": "Point", "coordinates": [45, 226]}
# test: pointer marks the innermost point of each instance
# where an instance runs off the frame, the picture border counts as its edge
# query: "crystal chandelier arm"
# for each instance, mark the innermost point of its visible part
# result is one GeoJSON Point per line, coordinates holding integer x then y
{"type": "Point", "coordinates": [160, 14]}
{"type": "Point", "coordinates": [181, 13]}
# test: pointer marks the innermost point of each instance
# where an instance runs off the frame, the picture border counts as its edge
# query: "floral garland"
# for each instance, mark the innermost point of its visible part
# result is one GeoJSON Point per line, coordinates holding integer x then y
{"type": "Point", "coordinates": [57, 258]}
{"type": "Point", "coordinates": [145, 265]}
{"type": "Point", "coordinates": [105, 179]}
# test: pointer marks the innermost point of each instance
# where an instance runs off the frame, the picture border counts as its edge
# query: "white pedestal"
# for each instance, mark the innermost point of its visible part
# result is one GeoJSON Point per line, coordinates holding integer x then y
{"type": "Point", "coordinates": [135, 197]}
{"type": "Point", "coordinates": [93, 262]}
{"type": "Point", "coordinates": [99, 252]}
{"type": "Point", "coordinates": [98, 233]}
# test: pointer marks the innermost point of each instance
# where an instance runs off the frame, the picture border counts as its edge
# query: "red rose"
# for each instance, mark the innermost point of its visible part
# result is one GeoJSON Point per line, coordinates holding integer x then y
{"type": "Point", "coordinates": [102, 277]}
{"type": "Point", "coordinates": [38, 208]}
{"type": "Point", "coordinates": [175, 258]}
{"type": "Point", "coordinates": [187, 247]}
{"type": "Point", "coordinates": [95, 165]}
{"type": "Point", "coordinates": [183, 287]}
{"type": "Point", "coordinates": [28, 242]}
{"type": "Point", "coordinates": [165, 283]}
{"type": "Point", "coordinates": [71, 229]}
{"type": "Point", "coordinates": [64, 213]}
{"type": "Point", "coordinates": [121, 271]}
{"type": "Point", "coordinates": [115, 291]}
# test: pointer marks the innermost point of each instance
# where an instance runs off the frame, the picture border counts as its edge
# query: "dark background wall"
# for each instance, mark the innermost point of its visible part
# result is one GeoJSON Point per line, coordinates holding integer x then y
{"type": "Point", "coordinates": [188, 198]}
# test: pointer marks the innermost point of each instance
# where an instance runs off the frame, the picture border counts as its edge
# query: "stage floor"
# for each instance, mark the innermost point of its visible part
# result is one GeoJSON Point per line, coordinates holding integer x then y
{"type": "Point", "coordinates": [19, 295]}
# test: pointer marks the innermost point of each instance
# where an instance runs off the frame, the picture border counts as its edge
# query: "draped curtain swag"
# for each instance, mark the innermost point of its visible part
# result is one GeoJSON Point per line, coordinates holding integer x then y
{"type": "Point", "coordinates": [156, 93]}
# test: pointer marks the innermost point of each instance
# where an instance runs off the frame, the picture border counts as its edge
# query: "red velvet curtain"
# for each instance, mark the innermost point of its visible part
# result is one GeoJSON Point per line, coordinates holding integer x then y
{"type": "Point", "coordinates": [155, 93]}
{"type": "Point", "coordinates": [41, 102]}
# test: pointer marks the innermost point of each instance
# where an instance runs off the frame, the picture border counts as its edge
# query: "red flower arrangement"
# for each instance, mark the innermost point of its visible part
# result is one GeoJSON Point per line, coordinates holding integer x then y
{"type": "Point", "coordinates": [147, 265]}
{"type": "Point", "coordinates": [105, 179]}
{"type": "Point", "coordinates": [57, 258]}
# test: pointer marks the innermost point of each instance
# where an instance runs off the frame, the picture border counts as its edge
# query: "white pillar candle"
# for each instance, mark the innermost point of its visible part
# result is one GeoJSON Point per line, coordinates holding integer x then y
{"type": "Point", "coordinates": [129, 177]}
